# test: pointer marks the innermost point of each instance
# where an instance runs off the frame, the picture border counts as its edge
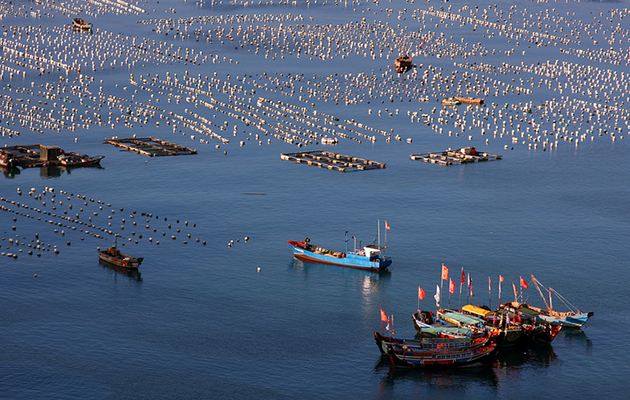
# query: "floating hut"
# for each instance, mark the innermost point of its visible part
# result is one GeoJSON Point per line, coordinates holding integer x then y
{"type": "Point", "coordinates": [151, 147]}
{"type": "Point", "coordinates": [332, 161]}
{"type": "Point", "coordinates": [465, 155]}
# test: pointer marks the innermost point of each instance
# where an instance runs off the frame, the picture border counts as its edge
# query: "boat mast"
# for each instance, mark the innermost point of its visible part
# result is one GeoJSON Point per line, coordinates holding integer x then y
{"type": "Point", "coordinates": [378, 232]}
{"type": "Point", "coordinates": [548, 305]}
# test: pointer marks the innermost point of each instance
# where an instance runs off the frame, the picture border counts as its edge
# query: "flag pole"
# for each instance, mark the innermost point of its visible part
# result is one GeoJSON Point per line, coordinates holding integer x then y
{"type": "Point", "coordinates": [378, 232]}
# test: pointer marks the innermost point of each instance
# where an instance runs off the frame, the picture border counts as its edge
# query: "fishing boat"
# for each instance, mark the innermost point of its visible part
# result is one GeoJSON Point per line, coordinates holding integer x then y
{"type": "Point", "coordinates": [367, 258]}
{"type": "Point", "coordinates": [113, 256]}
{"type": "Point", "coordinates": [450, 101]}
{"type": "Point", "coordinates": [438, 352]}
{"type": "Point", "coordinates": [81, 25]}
{"type": "Point", "coordinates": [574, 318]}
{"type": "Point", "coordinates": [469, 100]}
{"type": "Point", "coordinates": [403, 64]}
{"type": "Point", "coordinates": [428, 326]}
{"type": "Point", "coordinates": [71, 160]}
{"type": "Point", "coordinates": [535, 330]}
{"type": "Point", "coordinates": [508, 333]}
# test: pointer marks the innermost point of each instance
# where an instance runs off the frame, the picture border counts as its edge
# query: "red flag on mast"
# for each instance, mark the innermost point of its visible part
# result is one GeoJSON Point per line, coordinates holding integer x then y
{"type": "Point", "coordinates": [451, 286]}
{"type": "Point", "coordinates": [387, 226]}
{"type": "Point", "coordinates": [421, 293]}
{"type": "Point", "coordinates": [523, 283]}
{"type": "Point", "coordinates": [444, 272]}
{"type": "Point", "coordinates": [384, 317]}
{"type": "Point", "coordinates": [462, 278]}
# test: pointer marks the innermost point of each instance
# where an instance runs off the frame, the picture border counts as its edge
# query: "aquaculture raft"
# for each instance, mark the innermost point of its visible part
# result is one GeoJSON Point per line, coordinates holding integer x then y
{"type": "Point", "coordinates": [332, 161]}
{"type": "Point", "coordinates": [465, 155]}
{"type": "Point", "coordinates": [151, 147]}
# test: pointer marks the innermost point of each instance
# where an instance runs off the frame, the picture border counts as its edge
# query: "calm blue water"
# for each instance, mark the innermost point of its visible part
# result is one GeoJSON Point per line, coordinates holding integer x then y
{"type": "Point", "coordinates": [203, 323]}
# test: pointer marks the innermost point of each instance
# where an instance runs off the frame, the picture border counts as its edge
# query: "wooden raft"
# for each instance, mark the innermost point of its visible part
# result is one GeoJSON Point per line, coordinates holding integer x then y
{"type": "Point", "coordinates": [151, 147]}
{"type": "Point", "coordinates": [332, 161]}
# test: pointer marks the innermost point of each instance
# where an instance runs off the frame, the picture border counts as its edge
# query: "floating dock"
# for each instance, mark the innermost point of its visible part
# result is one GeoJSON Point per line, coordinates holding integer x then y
{"type": "Point", "coordinates": [151, 147]}
{"type": "Point", "coordinates": [465, 155]}
{"type": "Point", "coordinates": [332, 161]}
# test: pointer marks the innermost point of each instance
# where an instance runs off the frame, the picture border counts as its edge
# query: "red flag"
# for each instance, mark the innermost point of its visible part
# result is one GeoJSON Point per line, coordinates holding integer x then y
{"type": "Point", "coordinates": [421, 293]}
{"type": "Point", "coordinates": [523, 283]}
{"type": "Point", "coordinates": [384, 318]}
{"type": "Point", "coordinates": [444, 272]}
{"type": "Point", "coordinates": [451, 286]}
{"type": "Point", "coordinates": [387, 226]}
{"type": "Point", "coordinates": [501, 278]}
{"type": "Point", "coordinates": [462, 278]}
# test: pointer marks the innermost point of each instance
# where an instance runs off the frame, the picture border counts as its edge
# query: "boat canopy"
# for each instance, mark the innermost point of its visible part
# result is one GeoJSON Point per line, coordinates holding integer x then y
{"type": "Point", "coordinates": [462, 318]}
{"type": "Point", "coordinates": [475, 310]}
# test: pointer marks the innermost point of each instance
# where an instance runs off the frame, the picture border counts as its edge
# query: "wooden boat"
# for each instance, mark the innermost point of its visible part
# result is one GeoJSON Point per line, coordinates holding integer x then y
{"type": "Point", "coordinates": [469, 100]}
{"type": "Point", "coordinates": [508, 332]}
{"type": "Point", "coordinates": [81, 24]}
{"type": "Point", "coordinates": [71, 160]}
{"type": "Point", "coordinates": [574, 318]}
{"type": "Point", "coordinates": [535, 330]}
{"type": "Point", "coordinates": [427, 353]}
{"type": "Point", "coordinates": [113, 256]}
{"type": "Point", "coordinates": [450, 101]}
{"type": "Point", "coordinates": [403, 64]}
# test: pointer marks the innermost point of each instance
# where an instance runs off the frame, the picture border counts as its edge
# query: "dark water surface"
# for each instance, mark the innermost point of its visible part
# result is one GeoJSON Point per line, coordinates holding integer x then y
{"type": "Point", "coordinates": [203, 323]}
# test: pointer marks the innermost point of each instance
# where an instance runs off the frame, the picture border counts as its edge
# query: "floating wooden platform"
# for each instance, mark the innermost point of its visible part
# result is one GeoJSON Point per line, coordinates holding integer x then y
{"type": "Point", "coordinates": [465, 155]}
{"type": "Point", "coordinates": [151, 147]}
{"type": "Point", "coordinates": [332, 161]}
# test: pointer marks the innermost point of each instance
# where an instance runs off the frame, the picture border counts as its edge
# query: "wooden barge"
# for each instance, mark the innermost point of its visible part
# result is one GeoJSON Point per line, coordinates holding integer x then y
{"type": "Point", "coordinates": [151, 146]}
{"type": "Point", "coordinates": [465, 155]}
{"type": "Point", "coordinates": [38, 155]}
{"type": "Point", "coordinates": [332, 161]}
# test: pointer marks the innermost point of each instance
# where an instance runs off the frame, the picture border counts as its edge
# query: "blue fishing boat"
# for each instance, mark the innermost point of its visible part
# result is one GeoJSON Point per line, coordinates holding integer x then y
{"type": "Point", "coordinates": [573, 318]}
{"type": "Point", "coordinates": [368, 258]}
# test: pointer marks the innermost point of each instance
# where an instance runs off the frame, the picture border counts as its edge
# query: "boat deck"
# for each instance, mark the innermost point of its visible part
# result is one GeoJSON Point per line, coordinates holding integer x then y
{"type": "Point", "coordinates": [332, 161]}
{"type": "Point", "coordinates": [151, 147]}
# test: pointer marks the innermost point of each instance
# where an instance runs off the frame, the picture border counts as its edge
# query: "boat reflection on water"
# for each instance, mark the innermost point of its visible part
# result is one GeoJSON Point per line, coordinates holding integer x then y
{"type": "Point", "coordinates": [299, 265]}
{"type": "Point", "coordinates": [476, 374]}
{"type": "Point", "coordinates": [132, 274]}
{"type": "Point", "coordinates": [540, 356]}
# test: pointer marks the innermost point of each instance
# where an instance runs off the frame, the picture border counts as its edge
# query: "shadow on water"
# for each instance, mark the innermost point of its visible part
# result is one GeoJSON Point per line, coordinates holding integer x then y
{"type": "Point", "coordinates": [476, 374]}
{"type": "Point", "coordinates": [46, 172]}
{"type": "Point", "coordinates": [308, 268]}
{"type": "Point", "coordinates": [539, 356]}
{"type": "Point", "coordinates": [115, 272]}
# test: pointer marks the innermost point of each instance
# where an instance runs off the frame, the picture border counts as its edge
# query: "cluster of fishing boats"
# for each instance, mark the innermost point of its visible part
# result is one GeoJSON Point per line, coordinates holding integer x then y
{"type": "Point", "coordinates": [474, 334]}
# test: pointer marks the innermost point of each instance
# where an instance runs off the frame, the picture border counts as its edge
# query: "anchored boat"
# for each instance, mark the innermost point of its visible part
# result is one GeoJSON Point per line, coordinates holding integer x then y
{"type": "Point", "coordinates": [114, 257]}
{"type": "Point", "coordinates": [367, 258]}
{"type": "Point", "coordinates": [438, 352]}
{"type": "Point", "coordinates": [574, 318]}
